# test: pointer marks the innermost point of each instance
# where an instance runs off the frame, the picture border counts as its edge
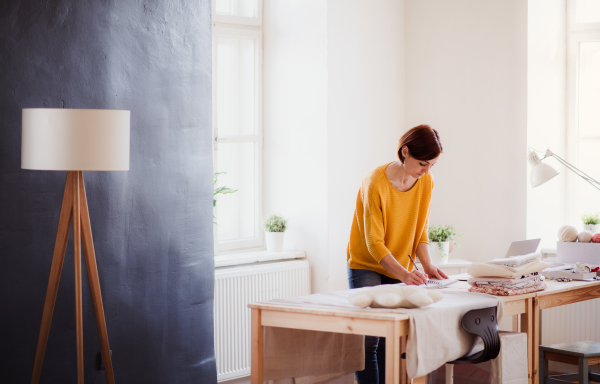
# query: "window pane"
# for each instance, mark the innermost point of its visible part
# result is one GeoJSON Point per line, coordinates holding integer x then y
{"type": "Point", "coordinates": [241, 8]}
{"type": "Point", "coordinates": [236, 212]}
{"type": "Point", "coordinates": [589, 89]}
{"type": "Point", "coordinates": [236, 86]}
{"type": "Point", "coordinates": [587, 196]}
{"type": "Point", "coordinates": [587, 11]}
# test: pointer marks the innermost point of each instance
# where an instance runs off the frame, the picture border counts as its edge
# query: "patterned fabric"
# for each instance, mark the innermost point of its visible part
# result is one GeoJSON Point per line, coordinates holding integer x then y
{"type": "Point", "coordinates": [504, 291]}
{"type": "Point", "coordinates": [526, 281]}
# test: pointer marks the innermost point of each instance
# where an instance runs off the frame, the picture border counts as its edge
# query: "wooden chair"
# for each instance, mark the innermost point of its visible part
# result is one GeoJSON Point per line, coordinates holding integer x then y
{"type": "Point", "coordinates": [583, 354]}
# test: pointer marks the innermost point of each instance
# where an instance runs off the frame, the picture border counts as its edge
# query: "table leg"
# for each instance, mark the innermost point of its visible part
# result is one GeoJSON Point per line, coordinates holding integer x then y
{"type": "Point", "coordinates": [584, 371]}
{"type": "Point", "coordinates": [257, 356]}
{"type": "Point", "coordinates": [404, 379]}
{"type": "Point", "coordinates": [527, 327]}
{"type": "Point", "coordinates": [515, 323]}
{"type": "Point", "coordinates": [536, 339]}
{"type": "Point", "coordinates": [392, 353]}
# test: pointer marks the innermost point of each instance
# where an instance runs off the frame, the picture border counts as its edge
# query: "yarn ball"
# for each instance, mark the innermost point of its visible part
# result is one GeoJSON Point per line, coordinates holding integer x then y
{"type": "Point", "coordinates": [585, 236]}
{"type": "Point", "coordinates": [596, 238]}
{"type": "Point", "coordinates": [567, 233]}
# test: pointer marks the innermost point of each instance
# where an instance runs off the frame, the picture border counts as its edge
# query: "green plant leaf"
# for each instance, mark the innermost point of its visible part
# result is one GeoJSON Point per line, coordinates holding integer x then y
{"type": "Point", "coordinates": [275, 223]}
{"type": "Point", "coordinates": [220, 190]}
{"type": "Point", "coordinates": [590, 218]}
{"type": "Point", "coordinates": [442, 233]}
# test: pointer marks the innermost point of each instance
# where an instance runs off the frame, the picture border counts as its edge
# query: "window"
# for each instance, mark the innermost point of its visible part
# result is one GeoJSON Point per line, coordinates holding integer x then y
{"type": "Point", "coordinates": [237, 121]}
{"type": "Point", "coordinates": [583, 98]}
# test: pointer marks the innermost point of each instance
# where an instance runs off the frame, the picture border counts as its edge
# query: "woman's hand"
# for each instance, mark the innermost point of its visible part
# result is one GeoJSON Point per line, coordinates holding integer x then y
{"type": "Point", "coordinates": [415, 278]}
{"type": "Point", "coordinates": [435, 273]}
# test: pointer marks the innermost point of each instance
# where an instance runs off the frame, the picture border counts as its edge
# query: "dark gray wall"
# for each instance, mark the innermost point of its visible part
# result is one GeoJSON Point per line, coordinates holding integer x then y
{"type": "Point", "coordinates": [152, 225]}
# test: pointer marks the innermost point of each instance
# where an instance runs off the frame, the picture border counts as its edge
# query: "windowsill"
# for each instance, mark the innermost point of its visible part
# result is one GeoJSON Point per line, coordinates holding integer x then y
{"type": "Point", "coordinates": [253, 257]}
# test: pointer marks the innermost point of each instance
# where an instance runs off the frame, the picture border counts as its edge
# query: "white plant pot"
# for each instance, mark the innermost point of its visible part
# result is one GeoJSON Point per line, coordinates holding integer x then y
{"type": "Point", "coordinates": [439, 256]}
{"type": "Point", "coordinates": [274, 241]}
{"type": "Point", "coordinates": [594, 228]}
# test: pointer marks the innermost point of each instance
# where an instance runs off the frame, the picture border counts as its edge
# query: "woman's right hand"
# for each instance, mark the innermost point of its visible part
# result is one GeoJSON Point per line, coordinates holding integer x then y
{"type": "Point", "coordinates": [415, 278]}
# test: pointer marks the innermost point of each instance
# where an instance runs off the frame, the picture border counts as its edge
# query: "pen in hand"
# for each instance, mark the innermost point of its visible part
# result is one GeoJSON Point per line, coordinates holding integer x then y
{"type": "Point", "coordinates": [417, 268]}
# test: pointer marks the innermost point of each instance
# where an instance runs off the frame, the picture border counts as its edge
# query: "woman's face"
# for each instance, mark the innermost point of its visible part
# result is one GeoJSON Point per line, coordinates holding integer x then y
{"type": "Point", "coordinates": [417, 168]}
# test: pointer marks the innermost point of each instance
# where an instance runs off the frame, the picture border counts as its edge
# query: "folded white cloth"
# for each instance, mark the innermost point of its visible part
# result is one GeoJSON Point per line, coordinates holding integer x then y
{"type": "Point", "coordinates": [483, 269]}
{"type": "Point", "coordinates": [516, 261]}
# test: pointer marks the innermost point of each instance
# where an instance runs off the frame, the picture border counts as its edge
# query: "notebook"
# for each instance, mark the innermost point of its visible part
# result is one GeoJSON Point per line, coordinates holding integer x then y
{"type": "Point", "coordinates": [435, 283]}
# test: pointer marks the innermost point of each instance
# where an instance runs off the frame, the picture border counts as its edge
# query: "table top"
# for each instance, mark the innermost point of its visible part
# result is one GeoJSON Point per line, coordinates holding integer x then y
{"type": "Point", "coordinates": [554, 287]}
{"type": "Point", "coordinates": [361, 313]}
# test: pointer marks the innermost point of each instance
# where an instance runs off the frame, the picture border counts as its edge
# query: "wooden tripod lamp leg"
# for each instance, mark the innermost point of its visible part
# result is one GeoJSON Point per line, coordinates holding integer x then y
{"type": "Point", "coordinates": [77, 259]}
{"type": "Point", "coordinates": [92, 271]}
{"type": "Point", "coordinates": [74, 209]}
{"type": "Point", "coordinates": [60, 247]}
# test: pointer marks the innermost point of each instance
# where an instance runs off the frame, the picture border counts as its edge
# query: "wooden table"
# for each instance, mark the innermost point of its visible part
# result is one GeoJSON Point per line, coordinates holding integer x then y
{"type": "Point", "coordinates": [557, 294]}
{"type": "Point", "coordinates": [392, 326]}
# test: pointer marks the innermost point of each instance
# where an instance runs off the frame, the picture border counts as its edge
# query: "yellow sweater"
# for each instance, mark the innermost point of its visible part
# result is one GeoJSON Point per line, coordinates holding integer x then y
{"type": "Point", "coordinates": [388, 221]}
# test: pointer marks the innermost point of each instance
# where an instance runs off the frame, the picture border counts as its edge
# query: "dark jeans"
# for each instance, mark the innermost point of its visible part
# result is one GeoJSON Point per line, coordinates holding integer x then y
{"type": "Point", "coordinates": [374, 372]}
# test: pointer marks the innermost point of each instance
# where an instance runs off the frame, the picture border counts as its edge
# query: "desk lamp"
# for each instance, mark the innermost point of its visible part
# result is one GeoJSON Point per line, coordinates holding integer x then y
{"type": "Point", "coordinates": [74, 140]}
{"type": "Point", "coordinates": [540, 172]}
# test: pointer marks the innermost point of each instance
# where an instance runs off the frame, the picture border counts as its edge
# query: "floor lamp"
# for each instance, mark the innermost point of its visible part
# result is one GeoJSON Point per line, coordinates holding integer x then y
{"type": "Point", "coordinates": [74, 140]}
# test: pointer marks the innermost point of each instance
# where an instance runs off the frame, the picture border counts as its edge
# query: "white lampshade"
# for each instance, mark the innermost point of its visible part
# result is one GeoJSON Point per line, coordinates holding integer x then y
{"type": "Point", "coordinates": [540, 172]}
{"type": "Point", "coordinates": [75, 139]}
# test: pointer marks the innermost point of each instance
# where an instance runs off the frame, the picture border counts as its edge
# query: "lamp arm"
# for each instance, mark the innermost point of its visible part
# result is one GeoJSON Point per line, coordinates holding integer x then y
{"type": "Point", "coordinates": [576, 170]}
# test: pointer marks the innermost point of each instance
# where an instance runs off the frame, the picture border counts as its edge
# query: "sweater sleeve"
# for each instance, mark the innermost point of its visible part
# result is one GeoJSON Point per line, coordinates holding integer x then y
{"type": "Point", "coordinates": [373, 223]}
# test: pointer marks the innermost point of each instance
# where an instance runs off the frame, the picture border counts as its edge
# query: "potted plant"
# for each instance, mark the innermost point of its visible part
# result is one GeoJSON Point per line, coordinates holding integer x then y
{"type": "Point", "coordinates": [591, 222]}
{"type": "Point", "coordinates": [440, 237]}
{"type": "Point", "coordinates": [274, 230]}
{"type": "Point", "coordinates": [219, 191]}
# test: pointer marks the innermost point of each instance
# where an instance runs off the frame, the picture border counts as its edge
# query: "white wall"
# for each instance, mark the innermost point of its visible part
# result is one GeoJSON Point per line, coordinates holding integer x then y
{"type": "Point", "coordinates": [366, 114]}
{"type": "Point", "coordinates": [295, 126]}
{"type": "Point", "coordinates": [466, 68]}
{"type": "Point", "coordinates": [546, 120]}
{"type": "Point", "coordinates": [334, 110]}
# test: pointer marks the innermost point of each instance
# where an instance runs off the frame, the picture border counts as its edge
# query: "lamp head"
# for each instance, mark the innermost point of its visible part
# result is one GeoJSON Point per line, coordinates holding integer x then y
{"type": "Point", "coordinates": [540, 172]}
{"type": "Point", "coordinates": [75, 139]}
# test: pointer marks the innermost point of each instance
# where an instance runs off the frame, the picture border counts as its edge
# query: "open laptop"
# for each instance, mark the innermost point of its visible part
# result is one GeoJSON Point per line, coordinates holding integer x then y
{"type": "Point", "coordinates": [523, 247]}
{"type": "Point", "coordinates": [517, 248]}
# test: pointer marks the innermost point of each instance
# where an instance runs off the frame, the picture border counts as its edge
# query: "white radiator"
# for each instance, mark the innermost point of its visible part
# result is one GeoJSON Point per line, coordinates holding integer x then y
{"type": "Point", "coordinates": [237, 287]}
{"type": "Point", "coordinates": [572, 322]}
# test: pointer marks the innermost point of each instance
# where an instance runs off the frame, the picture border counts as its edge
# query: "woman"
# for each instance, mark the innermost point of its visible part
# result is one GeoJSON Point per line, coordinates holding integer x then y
{"type": "Point", "coordinates": [390, 223]}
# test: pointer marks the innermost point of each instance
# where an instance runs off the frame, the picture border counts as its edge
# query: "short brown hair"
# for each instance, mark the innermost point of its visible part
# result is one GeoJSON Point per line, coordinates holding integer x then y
{"type": "Point", "coordinates": [422, 141]}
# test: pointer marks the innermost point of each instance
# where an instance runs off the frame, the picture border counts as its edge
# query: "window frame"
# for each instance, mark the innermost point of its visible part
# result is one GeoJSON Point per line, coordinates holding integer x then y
{"type": "Point", "coordinates": [577, 33]}
{"type": "Point", "coordinates": [237, 20]}
{"type": "Point", "coordinates": [241, 27]}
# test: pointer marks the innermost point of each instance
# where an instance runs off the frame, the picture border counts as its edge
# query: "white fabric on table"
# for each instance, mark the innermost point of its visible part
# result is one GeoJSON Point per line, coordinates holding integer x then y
{"type": "Point", "coordinates": [435, 334]}
{"type": "Point", "coordinates": [489, 270]}
{"type": "Point", "coordinates": [516, 261]}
